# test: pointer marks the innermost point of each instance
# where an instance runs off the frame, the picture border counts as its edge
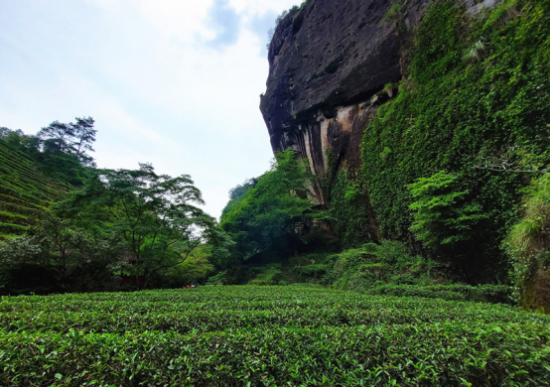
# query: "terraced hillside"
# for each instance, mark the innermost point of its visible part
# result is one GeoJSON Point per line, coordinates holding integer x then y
{"type": "Point", "coordinates": [268, 336]}
{"type": "Point", "coordinates": [25, 192]}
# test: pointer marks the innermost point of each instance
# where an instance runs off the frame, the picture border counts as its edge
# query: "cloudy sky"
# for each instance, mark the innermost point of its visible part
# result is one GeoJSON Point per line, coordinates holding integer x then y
{"type": "Point", "coordinates": [171, 82]}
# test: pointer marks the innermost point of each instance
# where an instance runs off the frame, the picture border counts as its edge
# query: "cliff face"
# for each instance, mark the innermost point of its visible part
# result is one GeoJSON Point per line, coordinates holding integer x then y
{"type": "Point", "coordinates": [329, 63]}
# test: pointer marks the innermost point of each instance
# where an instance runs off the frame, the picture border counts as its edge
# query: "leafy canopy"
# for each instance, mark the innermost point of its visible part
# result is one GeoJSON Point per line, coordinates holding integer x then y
{"type": "Point", "coordinates": [272, 206]}
{"type": "Point", "coordinates": [155, 214]}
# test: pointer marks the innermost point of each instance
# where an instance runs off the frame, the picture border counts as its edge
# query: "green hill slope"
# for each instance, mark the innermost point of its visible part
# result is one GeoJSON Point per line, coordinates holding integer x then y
{"type": "Point", "coordinates": [25, 192]}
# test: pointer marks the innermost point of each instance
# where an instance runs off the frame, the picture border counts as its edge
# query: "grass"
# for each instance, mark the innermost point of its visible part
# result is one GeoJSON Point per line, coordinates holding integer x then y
{"type": "Point", "coordinates": [25, 192]}
{"type": "Point", "coordinates": [268, 335]}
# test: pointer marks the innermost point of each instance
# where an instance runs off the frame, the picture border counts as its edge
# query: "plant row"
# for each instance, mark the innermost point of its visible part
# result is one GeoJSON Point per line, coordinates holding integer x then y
{"type": "Point", "coordinates": [265, 336]}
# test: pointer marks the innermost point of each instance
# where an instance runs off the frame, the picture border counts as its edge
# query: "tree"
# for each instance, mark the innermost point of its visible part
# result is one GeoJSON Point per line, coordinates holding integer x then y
{"type": "Point", "coordinates": [57, 137]}
{"type": "Point", "coordinates": [28, 144]}
{"type": "Point", "coordinates": [240, 190]}
{"type": "Point", "coordinates": [84, 136]}
{"type": "Point", "coordinates": [57, 256]}
{"type": "Point", "coordinates": [59, 148]}
{"type": "Point", "coordinates": [196, 266]}
{"type": "Point", "coordinates": [271, 208]}
{"type": "Point", "coordinates": [155, 214]}
{"type": "Point", "coordinates": [64, 149]}
{"type": "Point", "coordinates": [74, 138]}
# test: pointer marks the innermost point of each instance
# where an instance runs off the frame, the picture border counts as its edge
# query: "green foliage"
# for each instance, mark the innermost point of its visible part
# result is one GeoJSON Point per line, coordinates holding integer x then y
{"type": "Point", "coordinates": [240, 191]}
{"type": "Point", "coordinates": [312, 270]}
{"type": "Point", "coordinates": [368, 266]}
{"type": "Point", "coordinates": [312, 267]}
{"type": "Point", "coordinates": [292, 335]}
{"type": "Point", "coordinates": [26, 144]}
{"type": "Point", "coordinates": [444, 215]}
{"type": "Point", "coordinates": [350, 209]}
{"type": "Point", "coordinates": [475, 119]}
{"type": "Point", "coordinates": [488, 293]}
{"type": "Point", "coordinates": [372, 264]}
{"type": "Point", "coordinates": [153, 213]}
{"type": "Point", "coordinates": [268, 275]}
{"type": "Point", "coordinates": [195, 267]}
{"type": "Point", "coordinates": [527, 245]}
{"type": "Point", "coordinates": [273, 208]}
{"type": "Point", "coordinates": [54, 256]}
{"type": "Point", "coordinates": [396, 14]}
{"type": "Point", "coordinates": [38, 170]}
{"type": "Point", "coordinates": [220, 246]}
{"type": "Point", "coordinates": [217, 280]}
{"type": "Point", "coordinates": [25, 191]}
{"type": "Point", "coordinates": [59, 149]}
{"type": "Point", "coordinates": [73, 138]}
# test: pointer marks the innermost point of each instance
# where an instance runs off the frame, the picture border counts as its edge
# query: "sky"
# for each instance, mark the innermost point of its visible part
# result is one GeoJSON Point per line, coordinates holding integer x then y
{"type": "Point", "coordinates": [175, 83]}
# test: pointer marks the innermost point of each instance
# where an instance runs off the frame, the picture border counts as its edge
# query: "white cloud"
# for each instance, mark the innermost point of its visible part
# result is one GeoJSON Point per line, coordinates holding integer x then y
{"type": "Point", "coordinates": [252, 7]}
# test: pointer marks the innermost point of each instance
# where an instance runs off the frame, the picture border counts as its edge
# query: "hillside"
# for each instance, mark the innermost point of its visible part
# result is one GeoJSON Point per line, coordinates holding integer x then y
{"type": "Point", "coordinates": [25, 191]}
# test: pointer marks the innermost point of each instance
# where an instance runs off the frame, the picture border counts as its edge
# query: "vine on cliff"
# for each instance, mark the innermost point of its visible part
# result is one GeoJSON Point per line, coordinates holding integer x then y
{"type": "Point", "coordinates": [460, 108]}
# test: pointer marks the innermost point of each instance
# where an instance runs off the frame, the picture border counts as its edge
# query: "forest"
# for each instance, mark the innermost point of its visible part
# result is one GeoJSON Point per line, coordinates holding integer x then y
{"type": "Point", "coordinates": [426, 265]}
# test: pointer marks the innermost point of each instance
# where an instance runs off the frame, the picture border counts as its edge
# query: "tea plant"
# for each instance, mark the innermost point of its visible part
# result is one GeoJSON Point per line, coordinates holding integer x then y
{"type": "Point", "coordinates": [265, 336]}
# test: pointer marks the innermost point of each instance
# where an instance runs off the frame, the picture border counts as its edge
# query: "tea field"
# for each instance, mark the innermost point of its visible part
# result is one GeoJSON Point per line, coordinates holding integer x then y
{"type": "Point", "coordinates": [267, 336]}
{"type": "Point", "coordinates": [25, 192]}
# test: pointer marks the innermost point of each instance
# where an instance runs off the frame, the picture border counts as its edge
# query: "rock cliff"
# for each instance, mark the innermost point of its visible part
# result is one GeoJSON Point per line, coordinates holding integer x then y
{"type": "Point", "coordinates": [329, 64]}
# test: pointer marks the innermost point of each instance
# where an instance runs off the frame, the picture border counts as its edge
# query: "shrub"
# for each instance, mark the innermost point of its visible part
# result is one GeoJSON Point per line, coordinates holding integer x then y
{"type": "Point", "coordinates": [270, 274]}
{"type": "Point", "coordinates": [372, 264]}
{"type": "Point", "coordinates": [217, 280]}
{"type": "Point", "coordinates": [245, 335]}
{"type": "Point", "coordinates": [57, 257]}
{"type": "Point", "coordinates": [484, 293]}
{"type": "Point", "coordinates": [444, 215]}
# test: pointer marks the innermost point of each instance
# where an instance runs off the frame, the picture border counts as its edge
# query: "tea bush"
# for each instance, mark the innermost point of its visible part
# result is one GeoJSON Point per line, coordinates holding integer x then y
{"type": "Point", "coordinates": [484, 293]}
{"type": "Point", "coordinates": [264, 336]}
{"type": "Point", "coordinates": [25, 191]}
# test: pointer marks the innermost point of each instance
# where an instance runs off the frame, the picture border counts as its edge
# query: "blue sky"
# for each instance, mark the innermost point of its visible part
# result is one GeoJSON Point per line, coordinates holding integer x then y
{"type": "Point", "coordinates": [171, 82]}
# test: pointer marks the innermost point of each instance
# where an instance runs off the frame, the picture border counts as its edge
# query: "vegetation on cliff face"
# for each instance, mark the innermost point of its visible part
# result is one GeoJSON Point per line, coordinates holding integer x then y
{"type": "Point", "coordinates": [353, 219]}
{"type": "Point", "coordinates": [528, 246]}
{"type": "Point", "coordinates": [446, 160]}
